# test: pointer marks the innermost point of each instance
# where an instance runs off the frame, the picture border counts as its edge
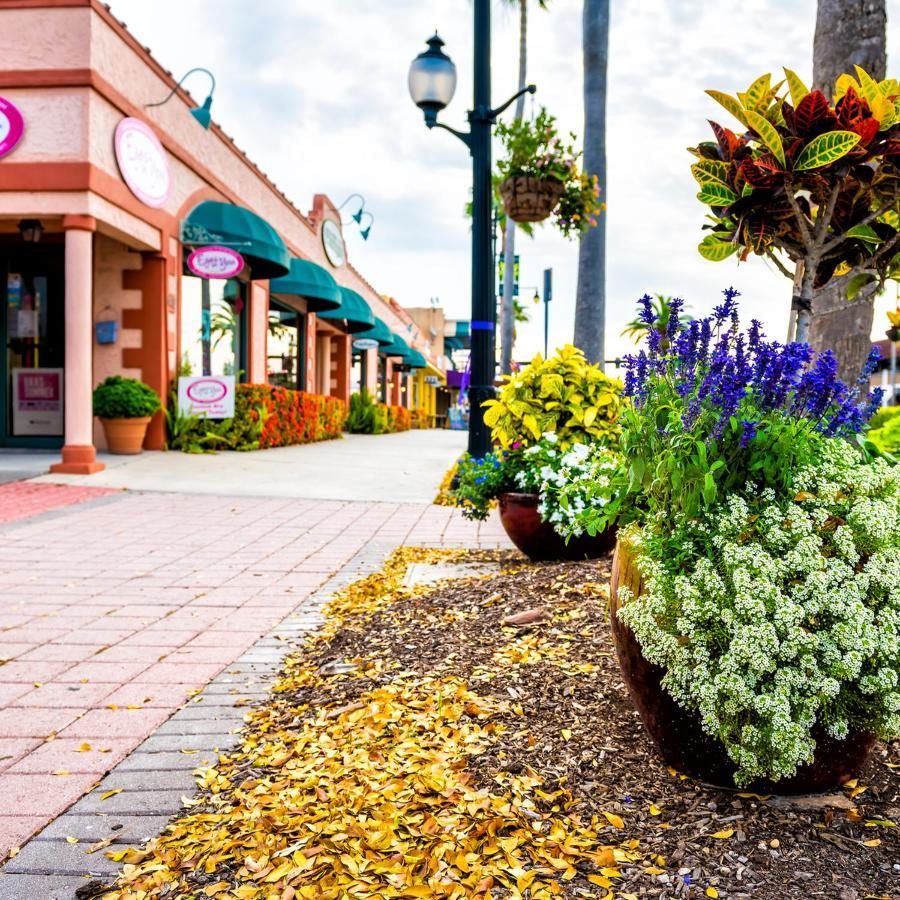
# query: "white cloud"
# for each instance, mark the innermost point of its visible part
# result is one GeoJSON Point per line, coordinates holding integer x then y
{"type": "Point", "coordinates": [316, 95]}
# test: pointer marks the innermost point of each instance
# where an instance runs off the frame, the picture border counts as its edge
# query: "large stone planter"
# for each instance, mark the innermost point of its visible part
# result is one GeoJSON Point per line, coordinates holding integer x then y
{"type": "Point", "coordinates": [528, 199]}
{"type": "Point", "coordinates": [125, 436]}
{"type": "Point", "coordinates": [537, 539]}
{"type": "Point", "coordinates": [677, 733]}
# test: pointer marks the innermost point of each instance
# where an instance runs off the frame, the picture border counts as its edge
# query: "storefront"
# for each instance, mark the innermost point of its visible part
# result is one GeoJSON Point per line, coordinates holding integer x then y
{"type": "Point", "coordinates": [135, 241]}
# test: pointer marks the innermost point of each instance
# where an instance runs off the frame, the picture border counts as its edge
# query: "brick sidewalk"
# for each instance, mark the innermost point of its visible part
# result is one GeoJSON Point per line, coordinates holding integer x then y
{"type": "Point", "coordinates": [115, 613]}
{"type": "Point", "coordinates": [22, 499]}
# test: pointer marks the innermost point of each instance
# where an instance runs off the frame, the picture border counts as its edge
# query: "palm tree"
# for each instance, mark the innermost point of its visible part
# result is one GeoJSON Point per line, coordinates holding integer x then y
{"type": "Point", "coordinates": [848, 32]}
{"type": "Point", "coordinates": [507, 306]}
{"type": "Point", "coordinates": [590, 299]}
{"type": "Point", "coordinates": [637, 329]}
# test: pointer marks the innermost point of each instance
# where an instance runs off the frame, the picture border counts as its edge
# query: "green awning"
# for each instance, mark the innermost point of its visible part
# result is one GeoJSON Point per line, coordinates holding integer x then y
{"type": "Point", "coordinates": [397, 347]}
{"type": "Point", "coordinates": [416, 360]}
{"type": "Point", "coordinates": [353, 310]}
{"type": "Point", "coordinates": [379, 332]}
{"type": "Point", "coordinates": [311, 282]}
{"type": "Point", "coordinates": [238, 229]}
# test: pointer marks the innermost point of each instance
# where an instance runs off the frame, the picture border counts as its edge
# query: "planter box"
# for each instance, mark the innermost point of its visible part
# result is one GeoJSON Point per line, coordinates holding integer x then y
{"type": "Point", "coordinates": [125, 436]}
{"type": "Point", "coordinates": [527, 199]}
{"type": "Point", "coordinates": [678, 733]}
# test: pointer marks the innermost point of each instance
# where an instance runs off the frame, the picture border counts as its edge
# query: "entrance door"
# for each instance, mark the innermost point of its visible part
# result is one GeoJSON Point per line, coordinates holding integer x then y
{"type": "Point", "coordinates": [32, 343]}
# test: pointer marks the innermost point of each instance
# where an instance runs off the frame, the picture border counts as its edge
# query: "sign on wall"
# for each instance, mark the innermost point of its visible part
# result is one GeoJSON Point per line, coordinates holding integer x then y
{"type": "Point", "coordinates": [333, 243]}
{"type": "Point", "coordinates": [37, 401]}
{"type": "Point", "coordinates": [142, 162]}
{"type": "Point", "coordinates": [207, 396]}
{"type": "Point", "coordinates": [215, 262]}
{"type": "Point", "coordinates": [12, 126]}
{"type": "Point", "coordinates": [365, 344]}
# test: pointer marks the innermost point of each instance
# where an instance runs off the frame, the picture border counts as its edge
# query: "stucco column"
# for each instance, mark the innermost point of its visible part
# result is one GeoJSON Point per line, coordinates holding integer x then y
{"type": "Point", "coordinates": [79, 457]}
{"type": "Point", "coordinates": [344, 363]}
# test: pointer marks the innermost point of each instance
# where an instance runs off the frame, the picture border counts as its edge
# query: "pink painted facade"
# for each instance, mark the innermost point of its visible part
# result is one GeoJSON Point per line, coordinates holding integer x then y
{"type": "Point", "coordinates": [75, 73]}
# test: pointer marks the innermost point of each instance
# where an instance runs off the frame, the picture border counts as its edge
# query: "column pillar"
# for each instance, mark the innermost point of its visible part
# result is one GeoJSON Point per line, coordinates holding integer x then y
{"type": "Point", "coordinates": [344, 363]}
{"type": "Point", "coordinates": [79, 456]}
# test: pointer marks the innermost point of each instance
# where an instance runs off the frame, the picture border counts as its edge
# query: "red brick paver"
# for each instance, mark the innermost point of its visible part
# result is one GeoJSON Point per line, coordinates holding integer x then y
{"type": "Point", "coordinates": [112, 614]}
{"type": "Point", "coordinates": [21, 499]}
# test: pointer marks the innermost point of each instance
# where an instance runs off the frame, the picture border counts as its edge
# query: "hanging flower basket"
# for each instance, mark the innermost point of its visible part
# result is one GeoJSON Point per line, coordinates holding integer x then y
{"type": "Point", "coordinates": [530, 199]}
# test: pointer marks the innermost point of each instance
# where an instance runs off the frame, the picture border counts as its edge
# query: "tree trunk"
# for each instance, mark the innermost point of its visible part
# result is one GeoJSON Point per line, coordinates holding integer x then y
{"type": "Point", "coordinates": [848, 32]}
{"type": "Point", "coordinates": [590, 300]}
{"type": "Point", "coordinates": [507, 307]}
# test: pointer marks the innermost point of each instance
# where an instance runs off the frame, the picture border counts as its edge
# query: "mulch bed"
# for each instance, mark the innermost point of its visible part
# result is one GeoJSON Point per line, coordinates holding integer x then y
{"type": "Point", "coordinates": [580, 729]}
{"type": "Point", "coordinates": [561, 711]}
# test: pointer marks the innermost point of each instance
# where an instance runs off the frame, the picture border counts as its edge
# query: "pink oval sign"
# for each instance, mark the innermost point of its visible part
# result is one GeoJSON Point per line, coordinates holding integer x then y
{"type": "Point", "coordinates": [215, 262]}
{"type": "Point", "coordinates": [12, 126]}
{"type": "Point", "coordinates": [142, 162]}
{"type": "Point", "coordinates": [209, 390]}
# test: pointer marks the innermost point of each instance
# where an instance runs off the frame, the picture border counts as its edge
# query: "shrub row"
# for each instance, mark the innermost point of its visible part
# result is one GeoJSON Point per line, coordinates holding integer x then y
{"type": "Point", "coordinates": [264, 416]}
{"type": "Point", "coordinates": [368, 417]}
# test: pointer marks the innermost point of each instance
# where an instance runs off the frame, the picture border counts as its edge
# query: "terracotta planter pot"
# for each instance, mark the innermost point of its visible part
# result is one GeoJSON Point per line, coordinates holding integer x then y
{"type": "Point", "coordinates": [677, 733]}
{"type": "Point", "coordinates": [527, 199]}
{"type": "Point", "coordinates": [537, 539]}
{"type": "Point", "coordinates": [125, 436]}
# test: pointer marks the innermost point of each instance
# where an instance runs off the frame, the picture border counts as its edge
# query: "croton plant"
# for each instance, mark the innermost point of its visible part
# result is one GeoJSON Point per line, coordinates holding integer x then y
{"type": "Point", "coordinates": [816, 182]}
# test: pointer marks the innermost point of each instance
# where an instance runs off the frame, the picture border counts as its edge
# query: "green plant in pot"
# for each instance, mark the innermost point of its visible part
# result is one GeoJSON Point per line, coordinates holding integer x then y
{"type": "Point", "coordinates": [555, 422]}
{"type": "Point", "coordinates": [755, 594]}
{"type": "Point", "coordinates": [540, 176]}
{"type": "Point", "coordinates": [125, 407]}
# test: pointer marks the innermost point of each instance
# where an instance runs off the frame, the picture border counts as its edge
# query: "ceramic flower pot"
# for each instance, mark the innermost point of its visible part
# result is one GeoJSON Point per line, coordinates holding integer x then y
{"type": "Point", "coordinates": [537, 539]}
{"type": "Point", "coordinates": [528, 199]}
{"type": "Point", "coordinates": [125, 436]}
{"type": "Point", "coordinates": [677, 732]}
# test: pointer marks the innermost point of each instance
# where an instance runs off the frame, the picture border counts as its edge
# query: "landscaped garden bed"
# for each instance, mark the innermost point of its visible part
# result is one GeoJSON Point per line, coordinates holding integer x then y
{"type": "Point", "coordinates": [458, 741]}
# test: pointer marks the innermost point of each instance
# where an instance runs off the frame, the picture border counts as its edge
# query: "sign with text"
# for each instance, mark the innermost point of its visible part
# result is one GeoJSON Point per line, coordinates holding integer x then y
{"type": "Point", "coordinates": [142, 162]}
{"type": "Point", "coordinates": [37, 401]}
{"type": "Point", "coordinates": [215, 262]}
{"type": "Point", "coordinates": [12, 126]}
{"type": "Point", "coordinates": [207, 396]}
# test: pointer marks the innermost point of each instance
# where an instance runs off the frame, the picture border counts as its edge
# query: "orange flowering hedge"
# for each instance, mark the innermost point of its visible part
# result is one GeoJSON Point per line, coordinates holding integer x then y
{"type": "Point", "coordinates": [289, 417]}
{"type": "Point", "coordinates": [421, 418]}
{"type": "Point", "coordinates": [264, 416]}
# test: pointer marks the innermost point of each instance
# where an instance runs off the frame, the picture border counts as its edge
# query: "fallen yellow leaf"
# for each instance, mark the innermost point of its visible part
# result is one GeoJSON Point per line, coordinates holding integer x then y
{"type": "Point", "coordinates": [654, 810]}
{"type": "Point", "coordinates": [613, 819]}
{"type": "Point", "coordinates": [712, 892]}
{"type": "Point", "coordinates": [71, 840]}
{"type": "Point", "coordinates": [61, 772]}
{"type": "Point", "coordinates": [724, 835]}
{"type": "Point", "coordinates": [111, 793]}
{"type": "Point", "coordinates": [875, 842]}
{"type": "Point", "coordinates": [84, 748]}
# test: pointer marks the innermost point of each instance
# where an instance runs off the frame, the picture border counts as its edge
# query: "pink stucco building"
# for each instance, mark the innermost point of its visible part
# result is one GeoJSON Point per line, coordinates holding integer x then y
{"type": "Point", "coordinates": [115, 222]}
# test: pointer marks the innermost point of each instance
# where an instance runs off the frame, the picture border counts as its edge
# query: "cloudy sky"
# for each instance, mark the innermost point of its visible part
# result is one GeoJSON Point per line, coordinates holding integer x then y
{"type": "Point", "coordinates": [316, 94]}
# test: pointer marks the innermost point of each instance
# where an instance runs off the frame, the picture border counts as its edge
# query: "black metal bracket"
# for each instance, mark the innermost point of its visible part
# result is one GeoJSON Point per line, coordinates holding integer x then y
{"type": "Point", "coordinates": [464, 136]}
{"type": "Point", "coordinates": [529, 89]}
{"type": "Point", "coordinates": [480, 114]}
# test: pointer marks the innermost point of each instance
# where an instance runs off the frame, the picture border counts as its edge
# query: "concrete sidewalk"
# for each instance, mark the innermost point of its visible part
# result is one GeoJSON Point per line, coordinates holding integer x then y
{"type": "Point", "coordinates": [395, 468]}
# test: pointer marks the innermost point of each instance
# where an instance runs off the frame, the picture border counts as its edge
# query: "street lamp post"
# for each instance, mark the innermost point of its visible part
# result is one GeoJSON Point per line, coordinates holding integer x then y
{"type": "Point", "coordinates": [432, 83]}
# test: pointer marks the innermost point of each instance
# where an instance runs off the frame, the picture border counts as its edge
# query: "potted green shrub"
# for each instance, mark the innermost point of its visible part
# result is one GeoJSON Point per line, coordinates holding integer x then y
{"type": "Point", "coordinates": [555, 422]}
{"type": "Point", "coordinates": [754, 600]}
{"type": "Point", "coordinates": [540, 176]}
{"type": "Point", "coordinates": [125, 407]}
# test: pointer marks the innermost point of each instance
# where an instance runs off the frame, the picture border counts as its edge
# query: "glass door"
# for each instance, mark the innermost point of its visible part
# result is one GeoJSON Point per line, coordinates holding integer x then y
{"type": "Point", "coordinates": [32, 344]}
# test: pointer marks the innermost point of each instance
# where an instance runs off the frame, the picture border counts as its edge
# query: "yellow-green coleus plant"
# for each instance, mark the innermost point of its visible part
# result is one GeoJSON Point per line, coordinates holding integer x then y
{"type": "Point", "coordinates": [813, 185]}
{"type": "Point", "coordinates": [564, 394]}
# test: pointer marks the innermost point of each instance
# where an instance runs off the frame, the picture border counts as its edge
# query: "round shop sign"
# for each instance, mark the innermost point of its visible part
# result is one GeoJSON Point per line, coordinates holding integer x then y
{"type": "Point", "coordinates": [207, 390]}
{"type": "Point", "coordinates": [365, 344]}
{"type": "Point", "coordinates": [215, 262]}
{"type": "Point", "coordinates": [12, 126]}
{"type": "Point", "coordinates": [333, 242]}
{"type": "Point", "coordinates": [142, 162]}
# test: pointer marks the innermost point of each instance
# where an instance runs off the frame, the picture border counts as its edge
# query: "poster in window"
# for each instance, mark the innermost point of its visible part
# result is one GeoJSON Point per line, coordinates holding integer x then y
{"type": "Point", "coordinates": [37, 402]}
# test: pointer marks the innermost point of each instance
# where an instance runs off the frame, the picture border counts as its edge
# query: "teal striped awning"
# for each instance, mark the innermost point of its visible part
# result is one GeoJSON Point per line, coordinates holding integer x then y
{"type": "Point", "coordinates": [355, 312]}
{"type": "Point", "coordinates": [313, 283]}
{"type": "Point", "coordinates": [397, 347]}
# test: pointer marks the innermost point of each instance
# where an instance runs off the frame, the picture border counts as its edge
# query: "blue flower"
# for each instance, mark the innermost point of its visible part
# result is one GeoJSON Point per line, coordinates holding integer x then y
{"type": "Point", "coordinates": [748, 432]}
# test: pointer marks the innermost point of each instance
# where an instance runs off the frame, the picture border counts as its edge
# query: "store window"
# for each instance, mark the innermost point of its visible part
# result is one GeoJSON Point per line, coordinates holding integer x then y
{"type": "Point", "coordinates": [286, 362]}
{"type": "Point", "coordinates": [214, 326]}
{"type": "Point", "coordinates": [358, 372]}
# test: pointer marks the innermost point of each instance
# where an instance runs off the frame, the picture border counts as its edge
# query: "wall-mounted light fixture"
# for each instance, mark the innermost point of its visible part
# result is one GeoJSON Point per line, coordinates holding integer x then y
{"type": "Point", "coordinates": [31, 230]}
{"type": "Point", "coordinates": [201, 113]}
{"type": "Point", "coordinates": [358, 215]}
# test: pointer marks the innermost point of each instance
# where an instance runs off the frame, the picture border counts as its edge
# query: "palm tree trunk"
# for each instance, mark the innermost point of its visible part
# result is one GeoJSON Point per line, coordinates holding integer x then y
{"type": "Point", "coordinates": [507, 306]}
{"type": "Point", "coordinates": [848, 32]}
{"type": "Point", "coordinates": [590, 300]}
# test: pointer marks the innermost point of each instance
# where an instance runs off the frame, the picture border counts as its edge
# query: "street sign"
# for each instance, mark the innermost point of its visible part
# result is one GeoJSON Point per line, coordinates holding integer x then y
{"type": "Point", "coordinates": [500, 270]}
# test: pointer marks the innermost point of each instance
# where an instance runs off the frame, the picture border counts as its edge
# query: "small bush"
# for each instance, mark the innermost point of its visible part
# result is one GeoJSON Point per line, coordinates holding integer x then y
{"type": "Point", "coordinates": [362, 416]}
{"type": "Point", "coordinates": [421, 419]}
{"type": "Point", "coordinates": [124, 398]}
{"type": "Point", "coordinates": [885, 429]}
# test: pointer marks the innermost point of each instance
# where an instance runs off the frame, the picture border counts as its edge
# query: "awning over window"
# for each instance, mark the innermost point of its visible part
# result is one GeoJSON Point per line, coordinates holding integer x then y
{"type": "Point", "coordinates": [397, 347]}
{"type": "Point", "coordinates": [460, 339]}
{"type": "Point", "coordinates": [239, 229]}
{"type": "Point", "coordinates": [379, 332]}
{"type": "Point", "coordinates": [311, 282]}
{"type": "Point", "coordinates": [353, 310]}
{"type": "Point", "coordinates": [416, 360]}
